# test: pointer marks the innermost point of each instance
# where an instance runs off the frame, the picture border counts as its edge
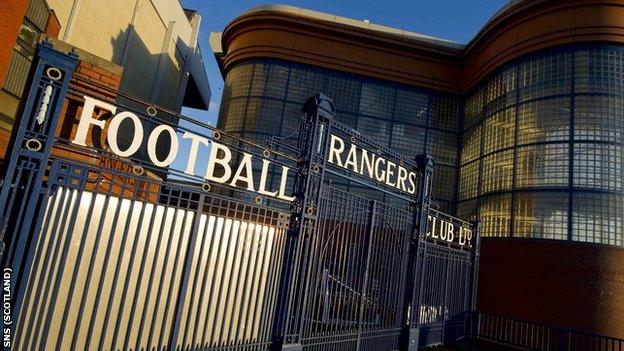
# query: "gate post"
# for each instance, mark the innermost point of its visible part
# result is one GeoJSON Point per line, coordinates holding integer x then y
{"type": "Point", "coordinates": [411, 309]}
{"type": "Point", "coordinates": [29, 151]}
{"type": "Point", "coordinates": [318, 112]}
{"type": "Point", "coordinates": [474, 314]}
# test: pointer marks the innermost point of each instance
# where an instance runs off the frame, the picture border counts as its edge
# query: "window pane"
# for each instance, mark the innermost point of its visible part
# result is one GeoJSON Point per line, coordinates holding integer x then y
{"type": "Point", "coordinates": [291, 121]}
{"type": "Point", "coordinates": [375, 129]}
{"type": "Point", "coordinates": [444, 183]}
{"type": "Point", "coordinates": [408, 140]}
{"type": "Point", "coordinates": [237, 81]}
{"type": "Point", "coordinates": [443, 146]}
{"type": "Point", "coordinates": [444, 113]}
{"type": "Point", "coordinates": [541, 215]}
{"type": "Point", "coordinates": [303, 84]}
{"type": "Point", "coordinates": [500, 91]}
{"type": "Point", "coordinates": [599, 71]}
{"type": "Point", "coordinates": [544, 120]}
{"type": "Point", "coordinates": [473, 109]}
{"type": "Point", "coordinates": [377, 100]}
{"type": "Point", "coordinates": [598, 166]}
{"type": "Point", "coordinates": [471, 148]}
{"type": "Point", "coordinates": [500, 130]}
{"type": "Point", "coordinates": [232, 115]}
{"type": "Point", "coordinates": [497, 171]}
{"type": "Point", "coordinates": [599, 118]}
{"type": "Point", "coordinates": [495, 215]}
{"type": "Point", "coordinates": [411, 107]}
{"type": "Point", "coordinates": [597, 218]}
{"type": "Point", "coordinates": [258, 81]}
{"type": "Point", "coordinates": [469, 180]}
{"type": "Point", "coordinates": [545, 76]}
{"type": "Point", "coordinates": [468, 210]}
{"type": "Point", "coordinates": [542, 165]}
{"type": "Point", "coordinates": [276, 81]}
{"type": "Point", "coordinates": [345, 92]}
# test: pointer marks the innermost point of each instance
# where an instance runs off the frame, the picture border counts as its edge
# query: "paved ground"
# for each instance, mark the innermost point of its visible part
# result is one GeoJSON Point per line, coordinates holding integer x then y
{"type": "Point", "coordinates": [474, 345]}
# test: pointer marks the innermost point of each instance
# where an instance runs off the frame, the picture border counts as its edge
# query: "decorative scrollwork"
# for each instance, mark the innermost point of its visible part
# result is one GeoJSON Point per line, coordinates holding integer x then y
{"type": "Point", "coordinates": [138, 170]}
{"type": "Point", "coordinates": [151, 111]}
{"type": "Point", "coordinates": [33, 144]}
{"type": "Point", "coordinates": [54, 73]}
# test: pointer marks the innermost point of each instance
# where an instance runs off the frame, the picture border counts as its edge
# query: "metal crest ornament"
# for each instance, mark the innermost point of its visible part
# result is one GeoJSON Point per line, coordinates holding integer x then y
{"type": "Point", "coordinates": [54, 73]}
{"type": "Point", "coordinates": [33, 145]}
{"type": "Point", "coordinates": [45, 101]}
{"type": "Point", "coordinates": [151, 111]}
{"type": "Point", "coordinates": [137, 170]}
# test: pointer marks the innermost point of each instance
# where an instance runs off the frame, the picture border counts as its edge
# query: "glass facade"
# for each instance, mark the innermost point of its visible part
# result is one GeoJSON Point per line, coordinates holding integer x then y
{"type": "Point", "coordinates": [264, 98]}
{"type": "Point", "coordinates": [542, 147]}
{"type": "Point", "coordinates": [534, 151]}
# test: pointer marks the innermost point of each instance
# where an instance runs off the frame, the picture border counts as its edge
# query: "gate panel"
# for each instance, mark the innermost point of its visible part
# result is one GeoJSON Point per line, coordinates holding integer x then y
{"type": "Point", "coordinates": [110, 269]}
{"type": "Point", "coordinates": [118, 252]}
{"type": "Point", "coordinates": [232, 285]}
{"type": "Point", "coordinates": [357, 280]}
{"type": "Point", "coordinates": [386, 283]}
{"type": "Point", "coordinates": [444, 293]}
{"type": "Point", "coordinates": [105, 264]}
{"type": "Point", "coordinates": [337, 266]}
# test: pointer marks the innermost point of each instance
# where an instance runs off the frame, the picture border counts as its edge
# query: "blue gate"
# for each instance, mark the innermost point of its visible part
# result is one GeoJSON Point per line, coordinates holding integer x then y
{"type": "Point", "coordinates": [298, 243]}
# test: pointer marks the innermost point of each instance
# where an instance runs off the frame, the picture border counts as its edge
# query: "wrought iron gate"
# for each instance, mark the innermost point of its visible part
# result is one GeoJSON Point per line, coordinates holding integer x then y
{"type": "Point", "coordinates": [115, 253]}
{"type": "Point", "coordinates": [358, 271]}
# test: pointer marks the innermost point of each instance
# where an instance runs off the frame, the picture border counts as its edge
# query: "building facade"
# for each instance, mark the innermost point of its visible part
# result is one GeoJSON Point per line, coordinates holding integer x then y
{"type": "Point", "coordinates": [542, 146]}
{"type": "Point", "coordinates": [141, 49]}
{"type": "Point", "coordinates": [154, 41]}
{"type": "Point", "coordinates": [525, 123]}
{"type": "Point", "coordinates": [24, 22]}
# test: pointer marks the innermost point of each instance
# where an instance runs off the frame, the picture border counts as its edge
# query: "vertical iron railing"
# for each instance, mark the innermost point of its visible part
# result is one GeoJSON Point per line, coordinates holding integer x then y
{"type": "Point", "coordinates": [474, 278]}
{"type": "Point", "coordinates": [29, 151]}
{"type": "Point", "coordinates": [410, 334]}
{"type": "Point", "coordinates": [313, 143]}
{"type": "Point", "coordinates": [539, 336]}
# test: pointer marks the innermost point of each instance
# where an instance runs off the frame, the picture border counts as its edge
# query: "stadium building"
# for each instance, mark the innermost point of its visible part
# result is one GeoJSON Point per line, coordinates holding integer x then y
{"type": "Point", "coordinates": [525, 122]}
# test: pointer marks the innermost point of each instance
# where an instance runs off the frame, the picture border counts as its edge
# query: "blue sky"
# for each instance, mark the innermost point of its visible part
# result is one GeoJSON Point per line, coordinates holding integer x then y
{"type": "Point", "coordinates": [457, 20]}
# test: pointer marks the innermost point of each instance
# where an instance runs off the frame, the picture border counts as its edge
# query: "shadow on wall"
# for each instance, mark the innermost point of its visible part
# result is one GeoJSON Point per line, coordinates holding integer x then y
{"type": "Point", "coordinates": [150, 76]}
{"type": "Point", "coordinates": [561, 283]}
{"type": "Point", "coordinates": [138, 81]}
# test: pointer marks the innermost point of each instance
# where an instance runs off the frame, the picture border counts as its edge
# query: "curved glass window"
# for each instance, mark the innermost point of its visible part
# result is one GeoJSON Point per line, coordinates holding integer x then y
{"type": "Point", "coordinates": [552, 147]}
{"type": "Point", "coordinates": [541, 215]}
{"type": "Point", "coordinates": [528, 152]}
{"type": "Point", "coordinates": [264, 98]}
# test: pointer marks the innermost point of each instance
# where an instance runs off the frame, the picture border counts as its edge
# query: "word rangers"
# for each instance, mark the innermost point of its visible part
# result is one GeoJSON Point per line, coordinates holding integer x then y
{"type": "Point", "coordinates": [373, 166]}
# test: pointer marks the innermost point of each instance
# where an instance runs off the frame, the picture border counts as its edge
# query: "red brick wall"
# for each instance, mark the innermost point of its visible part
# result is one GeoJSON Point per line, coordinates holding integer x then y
{"type": "Point", "coordinates": [94, 81]}
{"type": "Point", "coordinates": [569, 284]}
{"type": "Point", "coordinates": [97, 80]}
{"type": "Point", "coordinates": [12, 14]}
{"type": "Point", "coordinates": [5, 136]}
{"type": "Point", "coordinates": [11, 17]}
{"type": "Point", "coordinates": [53, 27]}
